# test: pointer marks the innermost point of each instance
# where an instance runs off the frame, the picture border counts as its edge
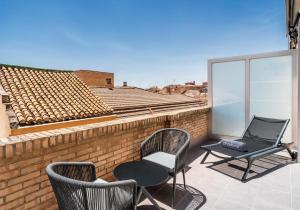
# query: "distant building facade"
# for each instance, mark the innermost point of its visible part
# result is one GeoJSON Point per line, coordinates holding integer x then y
{"type": "Point", "coordinates": [190, 89]}
{"type": "Point", "coordinates": [181, 89]}
{"type": "Point", "coordinates": [96, 78]}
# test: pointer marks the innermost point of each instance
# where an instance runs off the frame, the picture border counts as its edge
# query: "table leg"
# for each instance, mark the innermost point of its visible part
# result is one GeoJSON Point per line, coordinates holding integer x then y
{"type": "Point", "coordinates": [148, 195]}
{"type": "Point", "coordinates": [140, 191]}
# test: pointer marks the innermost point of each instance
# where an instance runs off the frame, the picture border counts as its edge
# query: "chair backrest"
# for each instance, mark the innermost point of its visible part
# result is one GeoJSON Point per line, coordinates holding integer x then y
{"type": "Point", "coordinates": [171, 140]}
{"type": "Point", "coordinates": [266, 129]}
{"type": "Point", "coordinates": [74, 170]}
{"type": "Point", "coordinates": [74, 189]}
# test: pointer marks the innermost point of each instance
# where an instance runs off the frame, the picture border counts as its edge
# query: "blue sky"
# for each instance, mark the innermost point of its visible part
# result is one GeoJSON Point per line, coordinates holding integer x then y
{"type": "Point", "coordinates": [144, 42]}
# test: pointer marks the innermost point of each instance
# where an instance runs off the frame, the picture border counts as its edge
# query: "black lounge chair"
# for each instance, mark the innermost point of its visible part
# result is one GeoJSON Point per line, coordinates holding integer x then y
{"type": "Point", "coordinates": [262, 138]}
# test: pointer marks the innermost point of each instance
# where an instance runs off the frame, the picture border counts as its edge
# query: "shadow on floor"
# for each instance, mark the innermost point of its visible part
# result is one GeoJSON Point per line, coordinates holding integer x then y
{"type": "Point", "coordinates": [195, 151]}
{"type": "Point", "coordinates": [261, 167]}
{"type": "Point", "coordinates": [189, 198]}
{"type": "Point", "coordinates": [235, 168]}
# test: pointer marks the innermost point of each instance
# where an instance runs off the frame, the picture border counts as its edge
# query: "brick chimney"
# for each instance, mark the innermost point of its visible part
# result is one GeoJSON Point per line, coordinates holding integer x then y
{"type": "Point", "coordinates": [96, 78]}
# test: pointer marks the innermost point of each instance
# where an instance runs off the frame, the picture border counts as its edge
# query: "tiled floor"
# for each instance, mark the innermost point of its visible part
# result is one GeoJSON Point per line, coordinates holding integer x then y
{"type": "Point", "coordinates": [274, 184]}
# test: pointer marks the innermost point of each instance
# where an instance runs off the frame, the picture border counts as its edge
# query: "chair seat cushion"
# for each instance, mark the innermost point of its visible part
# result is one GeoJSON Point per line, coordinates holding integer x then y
{"type": "Point", "coordinates": [162, 158]}
{"type": "Point", "coordinates": [99, 181]}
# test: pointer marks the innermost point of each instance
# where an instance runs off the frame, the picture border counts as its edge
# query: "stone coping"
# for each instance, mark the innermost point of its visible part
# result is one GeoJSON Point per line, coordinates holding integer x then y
{"type": "Point", "coordinates": [18, 145]}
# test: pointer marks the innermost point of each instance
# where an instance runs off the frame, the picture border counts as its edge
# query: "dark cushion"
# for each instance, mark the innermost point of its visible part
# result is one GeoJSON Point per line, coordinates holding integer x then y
{"type": "Point", "coordinates": [234, 145]}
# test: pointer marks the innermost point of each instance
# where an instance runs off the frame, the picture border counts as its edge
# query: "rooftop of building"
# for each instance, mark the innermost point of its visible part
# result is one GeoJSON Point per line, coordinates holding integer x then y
{"type": "Point", "coordinates": [132, 96]}
{"type": "Point", "coordinates": [128, 101]}
{"type": "Point", "coordinates": [39, 96]}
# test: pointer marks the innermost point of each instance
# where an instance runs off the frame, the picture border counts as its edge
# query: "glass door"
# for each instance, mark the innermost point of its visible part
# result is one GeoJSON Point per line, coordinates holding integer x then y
{"type": "Point", "coordinates": [243, 86]}
{"type": "Point", "coordinates": [271, 89]}
{"type": "Point", "coordinates": [228, 98]}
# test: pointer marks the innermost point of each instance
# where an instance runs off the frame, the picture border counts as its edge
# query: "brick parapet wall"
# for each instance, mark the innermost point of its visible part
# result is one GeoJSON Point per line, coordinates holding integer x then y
{"type": "Point", "coordinates": [23, 181]}
{"type": "Point", "coordinates": [194, 121]}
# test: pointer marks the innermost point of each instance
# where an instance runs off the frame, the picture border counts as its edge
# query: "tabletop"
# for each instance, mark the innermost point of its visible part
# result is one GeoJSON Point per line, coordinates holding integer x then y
{"type": "Point", "coordinates": [145, 173]}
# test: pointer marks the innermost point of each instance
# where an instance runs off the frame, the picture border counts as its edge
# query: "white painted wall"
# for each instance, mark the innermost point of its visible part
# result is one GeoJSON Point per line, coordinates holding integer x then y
{"type": "Point", "coordinates": [297, 111]}
{"type": "Point", "coordinates": [4, 122]}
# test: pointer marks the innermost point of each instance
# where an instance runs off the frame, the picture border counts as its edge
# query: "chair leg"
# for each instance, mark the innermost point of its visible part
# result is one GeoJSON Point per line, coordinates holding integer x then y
{"type": "Point", "coordinates": [292, 154]}
{"type": "Point", "coordinates": [174, 190]}
{"type": "Point", "coordinates": [206, 155]}
{"type": "Point", "coordinates": [183, 175]}
{"type": "Point", "coordinates": [247, 170]}
{"type": "Point", "coordinates": [140, 191]}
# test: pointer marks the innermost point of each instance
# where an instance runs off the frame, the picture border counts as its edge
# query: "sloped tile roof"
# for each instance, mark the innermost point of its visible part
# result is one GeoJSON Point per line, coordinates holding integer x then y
{"type": "Point", "coordinates": [43, 96]}
{"type": "Point", "coordinates": [131, 101]}
{"type": "Point", "coordinates": [130, 97]}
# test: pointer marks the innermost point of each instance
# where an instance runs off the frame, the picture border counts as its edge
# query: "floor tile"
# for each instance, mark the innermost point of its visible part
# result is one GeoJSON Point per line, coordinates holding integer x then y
{"type": "Point", "coordinates": [277, 188]}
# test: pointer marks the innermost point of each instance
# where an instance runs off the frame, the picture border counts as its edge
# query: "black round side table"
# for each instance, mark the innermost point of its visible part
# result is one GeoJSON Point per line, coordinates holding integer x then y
{"type": "Point", "coordinates": [145, 173]}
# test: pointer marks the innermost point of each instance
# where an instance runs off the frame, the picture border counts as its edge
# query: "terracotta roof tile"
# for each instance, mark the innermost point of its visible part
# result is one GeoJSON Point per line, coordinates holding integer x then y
{"type": "Point", "coordinates": [130, 101]}
{"type": "Point", "coordinates": [43, 96]}
{"type": "Point", "coordinates": [130, 97]}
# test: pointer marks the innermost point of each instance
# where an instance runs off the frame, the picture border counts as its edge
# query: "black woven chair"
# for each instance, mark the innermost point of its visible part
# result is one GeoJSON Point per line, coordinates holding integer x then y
{"type": "Point", "coordinates": [76, 188]}
{"type": "Point", "coordinates": [168, 147]}
{"type": "Point", "coordinates": [262, 137]}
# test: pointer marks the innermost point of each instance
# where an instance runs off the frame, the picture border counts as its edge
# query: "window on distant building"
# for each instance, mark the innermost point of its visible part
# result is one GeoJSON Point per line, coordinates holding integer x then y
{"type": "Point", "coordinates": [108, 81]}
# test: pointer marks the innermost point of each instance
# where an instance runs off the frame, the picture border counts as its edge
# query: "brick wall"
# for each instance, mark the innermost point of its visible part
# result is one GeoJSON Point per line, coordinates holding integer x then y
{"type": "Point", "coordinates": [194, 121]}
{"type": "Point", "coordinates": [23, 182]}
{"type": "Point", "coordinates": [96, 78]}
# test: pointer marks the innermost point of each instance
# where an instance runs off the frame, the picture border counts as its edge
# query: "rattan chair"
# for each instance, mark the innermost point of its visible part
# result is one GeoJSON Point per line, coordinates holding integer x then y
{"type": "Point", "coordinates": [76, 188]}
{"type": "Point", "coordinates": [168, 147]}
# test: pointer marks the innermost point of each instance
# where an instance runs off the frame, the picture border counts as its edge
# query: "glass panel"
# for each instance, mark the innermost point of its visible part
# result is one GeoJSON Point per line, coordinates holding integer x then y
{"type": "Point", "coordinates": [228, 112]}
{"type": "Point", "coordinates": [271, 89]}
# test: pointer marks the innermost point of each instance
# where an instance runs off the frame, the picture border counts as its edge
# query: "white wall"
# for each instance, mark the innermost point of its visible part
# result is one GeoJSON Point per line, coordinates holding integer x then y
{"type": "Point", "coordinates": [4, 122]}
{"type": "Point", "coordinates": [297, 111]}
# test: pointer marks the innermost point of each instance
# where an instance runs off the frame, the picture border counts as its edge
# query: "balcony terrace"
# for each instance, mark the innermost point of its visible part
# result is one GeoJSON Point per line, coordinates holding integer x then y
{"type": "Point", "coordinates": [273, 185]}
